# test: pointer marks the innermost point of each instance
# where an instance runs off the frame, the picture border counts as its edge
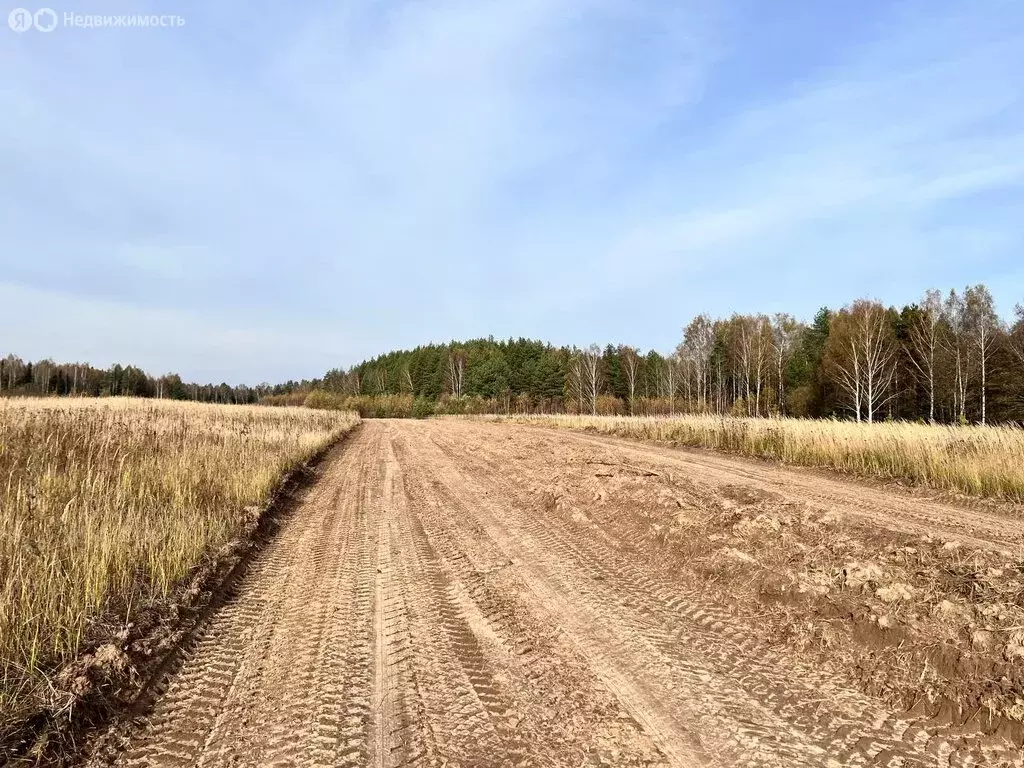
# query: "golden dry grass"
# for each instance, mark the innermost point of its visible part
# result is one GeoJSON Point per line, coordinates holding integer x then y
{"type": "Point", "coordinates": [979, 461]}
{"type": "Point", "coordinates": [106, 504]}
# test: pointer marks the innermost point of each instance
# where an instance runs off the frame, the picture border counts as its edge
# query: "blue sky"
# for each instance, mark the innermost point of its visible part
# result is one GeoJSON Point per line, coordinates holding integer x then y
{"type": "Point", "coordinates": [275, 189]}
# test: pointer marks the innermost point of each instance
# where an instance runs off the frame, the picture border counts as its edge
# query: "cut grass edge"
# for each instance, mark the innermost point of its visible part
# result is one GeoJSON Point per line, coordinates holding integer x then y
{"type": "Point", "coordinates": [108, 686]}
{"type": "Point", "coordinates": [743, 438]}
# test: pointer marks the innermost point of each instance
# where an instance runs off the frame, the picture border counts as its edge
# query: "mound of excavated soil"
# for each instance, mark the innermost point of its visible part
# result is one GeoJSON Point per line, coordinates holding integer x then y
{"type": "Point", "coordinates": [931, 621]}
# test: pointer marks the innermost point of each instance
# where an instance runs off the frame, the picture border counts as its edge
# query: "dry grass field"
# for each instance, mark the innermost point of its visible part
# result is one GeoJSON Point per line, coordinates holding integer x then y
{"type": "Point", "coordinates": [105, 504]}
{"type": "Point", "coordinates": [974, 460]}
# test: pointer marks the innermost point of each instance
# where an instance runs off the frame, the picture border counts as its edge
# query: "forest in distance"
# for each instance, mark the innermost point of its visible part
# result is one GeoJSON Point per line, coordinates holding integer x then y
{"type": "Point", "coordinates": [949, 357]}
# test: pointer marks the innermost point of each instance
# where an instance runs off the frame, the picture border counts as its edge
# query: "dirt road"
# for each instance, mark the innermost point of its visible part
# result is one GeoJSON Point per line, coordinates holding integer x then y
{"type": "Point", "coordinates": [432, 601]}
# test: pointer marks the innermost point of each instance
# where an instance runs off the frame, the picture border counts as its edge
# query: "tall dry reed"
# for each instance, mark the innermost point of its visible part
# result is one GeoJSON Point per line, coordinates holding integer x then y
{"type": "Point", "coordinates": [107, 503]}
{"type": "Point", "coordinates": [979, 461]}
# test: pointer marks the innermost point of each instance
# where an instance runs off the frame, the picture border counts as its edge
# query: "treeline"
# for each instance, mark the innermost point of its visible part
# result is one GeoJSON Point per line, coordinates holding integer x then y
{"type": "Point", "coordinates": [43, 378]}
{"type": "Point", "coordinates": [947, 358]}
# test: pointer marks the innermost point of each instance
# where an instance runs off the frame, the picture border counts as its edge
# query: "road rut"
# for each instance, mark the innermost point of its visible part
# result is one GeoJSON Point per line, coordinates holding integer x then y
{"type": "Point", "coordinates": [423, 606]}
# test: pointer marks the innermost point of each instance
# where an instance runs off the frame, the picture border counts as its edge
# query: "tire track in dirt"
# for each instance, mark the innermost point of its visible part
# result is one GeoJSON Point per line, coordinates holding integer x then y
{"type": "Point", "coordinates": [271, 669]}
{"type": "Point", "coordinates": [459, 694]}
{"type": "Point", "coordinates": [856, 730]}
{"type": "Point", "coordinates": [398, 738]}
{"type": "Point", "coordinates": [355, 640]}
{"type": "Point", "coordinates": [553, 701]}
{"type": "Point", "coordinates": [635, 657]}
{"type": "Point", "coordinates": [672, 738]}
{"type": "Point", "coordinates": [894, 738]}
{"type": "Point", "coordinates": [422, 607]}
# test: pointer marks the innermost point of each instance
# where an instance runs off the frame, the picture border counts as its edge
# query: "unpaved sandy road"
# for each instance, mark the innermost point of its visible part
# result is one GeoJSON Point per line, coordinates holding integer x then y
{"type": "Point", "coordinates": [423, 606]}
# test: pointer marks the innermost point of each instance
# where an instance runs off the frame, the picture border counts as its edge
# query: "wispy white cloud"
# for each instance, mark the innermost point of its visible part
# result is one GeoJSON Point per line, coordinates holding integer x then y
{"type": "Point", "coordinates": [848, 170]}
{"type": "Point", "coordinates": [381, 174]}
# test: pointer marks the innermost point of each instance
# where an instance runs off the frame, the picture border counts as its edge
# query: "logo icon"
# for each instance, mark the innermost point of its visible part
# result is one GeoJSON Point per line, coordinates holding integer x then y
{"type": "Point", "coordinates": [20, 20]}
{"type": "Point", "coordinates": [45, 20]}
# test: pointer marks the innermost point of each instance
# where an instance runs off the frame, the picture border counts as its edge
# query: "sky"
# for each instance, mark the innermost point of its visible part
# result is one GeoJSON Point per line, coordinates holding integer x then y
{"type": "Point", "coordinates": [271, 190]}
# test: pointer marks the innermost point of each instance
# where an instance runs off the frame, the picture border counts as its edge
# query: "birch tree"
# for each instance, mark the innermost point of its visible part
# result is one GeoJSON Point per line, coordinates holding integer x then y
{"type": "Point", "coordinates": [351, 384]}
{"type": "Point", "coordinates": [380, 380]}
{"type": "Point", "coordinates": [699, 343]}
{"type": "Point", "coordinates": [456, 373]}
{"type": "Point", "coordinates": [630, 367]}
{"type": "Point", "coordinates": [590, 360]}
{"type": "Point", "coordinates": [670, 381]}
{"type": "Point", "coordinates": [925, 344]}
{"type": "Point", "coordinates": [958, 343]}
{"type": "Point", "coordinates": [754, 336]}
{"type": "Point", "coordinates": [42, 372]}
{"type": "Point", "coordinates": [861, 352]}
{"type": "Point", "coordinates": [982, 325]}
{"type": "Point", "coordinates": [406, 380]}
{"type": "Point", "coordinates": [11, 370]}
{"type": "Point", "coordinates": [574, 380]}
{"type": "Point", "coordinates": [762, 358]}
{"type": "Point", "coordinates": [687, 375]}
{"type": "Point", "coordinates": [786, 333]}
{"type": "Point", "coordinates": [740, 339]}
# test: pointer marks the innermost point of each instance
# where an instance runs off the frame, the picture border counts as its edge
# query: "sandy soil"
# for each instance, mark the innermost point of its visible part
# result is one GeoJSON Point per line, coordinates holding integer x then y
{"type": "Point", "coordinates": [459, 593]}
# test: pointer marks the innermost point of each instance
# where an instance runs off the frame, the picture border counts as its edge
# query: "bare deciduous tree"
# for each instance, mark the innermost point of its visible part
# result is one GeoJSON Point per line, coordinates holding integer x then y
{"type": "Point", "coordinates": [456, 372]}
{"type": "Point", "coordinates": [786, 333]}
{"type": "Point", "coordinates": [669, 381]}
{"type": "Point", "coordinates": [925, 343]}
{"type": "Point", "coordinates": [12, 368]}
{"type": "Point", "coordinates": [983, 326]}
{"type": "Point", "coordinates": [41, 374]}
{"type": "Point", "coordinates": [574, 380]}
{"type": "Point", "coordinates": [861, 353]}
{"type": "Point", "coordinates": [590, 360]}
{"type": "Point", "coordinates": [380, 380]}
{"type": "Point", "coordinates": [698, 344]}
{"type": "Point", "coordinates": [687, 375]}
{"type": "Point", "coordinates": [753, 336]}
{"type": "Point", "coordinates": [351, 384]}
{"type": "Point", "coordinates": [630, 367]}
{"type": "Point", "coordinates": [958, 343]}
